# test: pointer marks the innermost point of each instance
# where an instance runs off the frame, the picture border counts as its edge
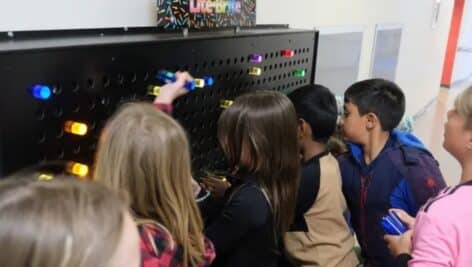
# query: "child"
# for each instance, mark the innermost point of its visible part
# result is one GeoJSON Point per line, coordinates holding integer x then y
{"type": "Point", "coordinates": [384, 168]}
{"type": "Point", "coordinates": [146, 153]}
{"type": "Point", "coordinates": [320, 235]}
{"type": "Point", "coordinates": [258, 135]}
{"type": "Point", "coordinates": [442, 235]}
{"type": "Point", "coordinates": [405, 125]}
{"type": "Point", "coordinates": [64, 222]}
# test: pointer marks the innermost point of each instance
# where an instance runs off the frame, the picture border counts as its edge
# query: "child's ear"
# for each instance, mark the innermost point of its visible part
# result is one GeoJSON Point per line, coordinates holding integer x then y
{"type": "Point", "coordinates": [302, 128]}
{"type": "Point", "coordinates": [372, 121]}
{"type": "Point", "coordinates": [469, 140]}
{"type": "Point", "coordinates": [469, 146]}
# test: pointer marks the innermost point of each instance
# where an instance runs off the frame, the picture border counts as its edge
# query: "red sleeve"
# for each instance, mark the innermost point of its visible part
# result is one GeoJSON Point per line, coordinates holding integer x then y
{"type": "Point", "coordinates": [167, 108]}
{"type": "Point", "coordinates": [157, 246]}
{"type": "Point", "coordinates": [209, 255]}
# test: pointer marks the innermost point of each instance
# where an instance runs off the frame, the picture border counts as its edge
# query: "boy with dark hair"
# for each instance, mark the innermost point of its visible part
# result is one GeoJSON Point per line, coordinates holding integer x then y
{"type": "Point", "coordinates": [384, 168]}
{"type": "Point", "coordinates": [319, 235]}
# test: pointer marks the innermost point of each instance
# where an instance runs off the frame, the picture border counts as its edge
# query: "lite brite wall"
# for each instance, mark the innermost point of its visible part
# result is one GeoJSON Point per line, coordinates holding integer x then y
{"type": "Point", "coordinates": [204, 14]}
{"type": "Point", "coordinates": [57, 92]}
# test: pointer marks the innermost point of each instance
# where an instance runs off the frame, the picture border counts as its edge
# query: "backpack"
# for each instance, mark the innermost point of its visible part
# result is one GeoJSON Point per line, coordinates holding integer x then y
{"type": "Point", "coordinates": [421, 171]}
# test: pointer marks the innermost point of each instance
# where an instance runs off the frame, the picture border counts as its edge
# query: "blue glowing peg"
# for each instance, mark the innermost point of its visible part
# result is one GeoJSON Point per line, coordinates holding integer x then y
{"type": "Point", "coordinates": [190, 85]}
{"type": "Point", "coordinates": [169, 77]}
{"type": "Point", "coordinates": [42, 92]}
{"type": "Point", "coordinates": [209, 81]}
{"type": "Point", "coordinates": [166, 76]}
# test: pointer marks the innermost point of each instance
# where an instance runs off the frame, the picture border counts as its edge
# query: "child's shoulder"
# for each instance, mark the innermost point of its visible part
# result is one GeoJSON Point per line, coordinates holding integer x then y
{"type": "Point", "coordinates": [450, 200]}
{"type": "Point", "coordinates": [329, 163]}
{"type": "Point", "coordinates": [157, 245]}
{"type": "Point", "coordinates": [344, 157]}
{"type": "Point", "coordinates": [420, 170]}
{"type": "Point", "coordinates": [411, 158]}
{"type": "Point", "coordinates": [400, 157]}
{"type": "Point", "coordinates": [156, 231]}
{"type": "Point", "coordinates": [250, 198]}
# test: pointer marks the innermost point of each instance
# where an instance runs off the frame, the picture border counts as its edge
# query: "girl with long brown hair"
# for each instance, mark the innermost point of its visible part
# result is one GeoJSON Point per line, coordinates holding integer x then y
{"type": "Point", "coordinates": [258, 135]}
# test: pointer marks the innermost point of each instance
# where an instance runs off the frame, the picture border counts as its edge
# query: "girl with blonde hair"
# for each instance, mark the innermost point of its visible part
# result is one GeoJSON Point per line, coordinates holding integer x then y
{"type": "Point", "coordinates": [441, 235]}
{"type": "Point", "coordinates": [64, 223]}
{"type": "Point", "coordinates": [146, 153]}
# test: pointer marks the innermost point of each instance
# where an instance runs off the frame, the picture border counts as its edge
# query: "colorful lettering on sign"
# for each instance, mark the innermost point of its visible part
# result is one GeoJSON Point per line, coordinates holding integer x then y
{"type": "Point", "coordinates": [215, 6]}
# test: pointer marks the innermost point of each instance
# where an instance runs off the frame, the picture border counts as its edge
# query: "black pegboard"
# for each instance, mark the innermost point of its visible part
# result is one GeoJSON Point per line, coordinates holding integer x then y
{"type": "Point", "coordinates": [93, 74]}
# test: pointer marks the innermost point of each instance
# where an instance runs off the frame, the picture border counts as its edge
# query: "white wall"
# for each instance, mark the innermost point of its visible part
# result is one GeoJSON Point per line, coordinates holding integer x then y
{"type": "Point", "coordinates": [16, 15]}
{"type": "Point", "coordinates": [463, 61]}
{"type": "Point", "coordinates": [421, 55]}
{"type": "Point", "coordinates": [465, 38]}
{"type": "Point", "coordinates": [423, 48]}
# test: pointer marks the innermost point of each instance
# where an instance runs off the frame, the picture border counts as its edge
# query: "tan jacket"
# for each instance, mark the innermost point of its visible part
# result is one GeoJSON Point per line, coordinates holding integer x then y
{"type": "Point", "coordinates": [328, 242]}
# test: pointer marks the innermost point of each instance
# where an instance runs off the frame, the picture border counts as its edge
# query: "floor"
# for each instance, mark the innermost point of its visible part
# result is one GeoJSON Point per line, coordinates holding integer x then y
{"type": "Point", "coordinates": [429, 128]}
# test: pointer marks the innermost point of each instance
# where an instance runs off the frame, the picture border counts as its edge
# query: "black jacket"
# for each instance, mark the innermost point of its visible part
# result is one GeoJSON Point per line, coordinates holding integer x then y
{"type": "Point", "coordinates": [243, 231]}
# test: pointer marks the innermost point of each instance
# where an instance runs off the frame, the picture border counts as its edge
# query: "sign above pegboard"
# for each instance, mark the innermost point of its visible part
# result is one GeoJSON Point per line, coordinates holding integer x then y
{"type": "Point", "coordinates": [205, 14]}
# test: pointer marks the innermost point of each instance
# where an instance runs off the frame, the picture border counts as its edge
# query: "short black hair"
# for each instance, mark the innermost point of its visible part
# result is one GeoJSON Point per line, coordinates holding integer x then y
{"type": "Point", "coordinates": [316, 105]}
{"type": "Point", "coordinates": [383, 98]}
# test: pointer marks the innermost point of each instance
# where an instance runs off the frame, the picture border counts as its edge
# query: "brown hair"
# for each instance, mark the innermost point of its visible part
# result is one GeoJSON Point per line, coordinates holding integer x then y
{"type": "Point", "coordinates": [146, 153]}
{"type": "Point", "coordinates": [258, 135]}
{"type": "Point", "coordinates": [63, 222]}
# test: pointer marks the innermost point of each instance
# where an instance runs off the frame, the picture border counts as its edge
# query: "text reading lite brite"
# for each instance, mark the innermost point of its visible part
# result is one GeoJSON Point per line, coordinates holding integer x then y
{"type": "Point", "coordinates": [215, 6]}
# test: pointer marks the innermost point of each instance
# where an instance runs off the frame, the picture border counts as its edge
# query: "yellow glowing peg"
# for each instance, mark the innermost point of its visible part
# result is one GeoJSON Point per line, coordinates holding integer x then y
{"type": "Point", "coordinates": [45, 177]}
{"type": "Point", "coordinates": [226, 103]}
{"type": "Point", "coordinates": [254, 71]}
{"type": "Point", "coordinates": [76, 128]}
{"type": "Point", "coordinates": [78, 169]}
{"type": "Point", "coordinates": [199, 83]}
{"type": "Point", "coordinates": [154, 90]}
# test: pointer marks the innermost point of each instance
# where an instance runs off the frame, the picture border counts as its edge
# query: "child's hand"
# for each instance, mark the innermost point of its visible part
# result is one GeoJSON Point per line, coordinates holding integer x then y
{"type": "Point", "coordinates": [405, 217]}
{"type": "Point", "coordinates": [402, 243]}
{"type": "Point", "coordinates": [216, 186]}
{"type": "Point", "coordinates": [399, 244]}
{"type": "Point", "coordinates": [171, 91]}
{"type": "Point", "coordinates": [195, 187]}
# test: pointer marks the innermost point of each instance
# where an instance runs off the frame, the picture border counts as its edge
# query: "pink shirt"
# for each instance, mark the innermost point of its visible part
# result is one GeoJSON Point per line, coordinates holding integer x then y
{"type": "Point", "coordinates": [443, 230]}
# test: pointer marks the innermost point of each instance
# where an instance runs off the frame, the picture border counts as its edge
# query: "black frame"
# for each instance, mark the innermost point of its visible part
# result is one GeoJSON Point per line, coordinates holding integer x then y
{"type": "Point", "coordinates": [93, 72]}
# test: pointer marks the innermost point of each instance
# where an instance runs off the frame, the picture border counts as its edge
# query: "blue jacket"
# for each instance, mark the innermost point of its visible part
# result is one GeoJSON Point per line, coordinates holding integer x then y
{"type": "Point", "coordinates": [404, 175]}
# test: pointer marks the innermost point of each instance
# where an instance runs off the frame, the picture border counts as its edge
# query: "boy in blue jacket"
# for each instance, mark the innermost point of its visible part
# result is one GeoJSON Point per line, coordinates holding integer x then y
{"type": "Point", "coordinates": [384, 168]}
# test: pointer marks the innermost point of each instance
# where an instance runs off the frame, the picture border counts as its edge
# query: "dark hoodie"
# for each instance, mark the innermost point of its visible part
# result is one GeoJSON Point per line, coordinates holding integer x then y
{"type": "Point", "coordinates": [404, 176]}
